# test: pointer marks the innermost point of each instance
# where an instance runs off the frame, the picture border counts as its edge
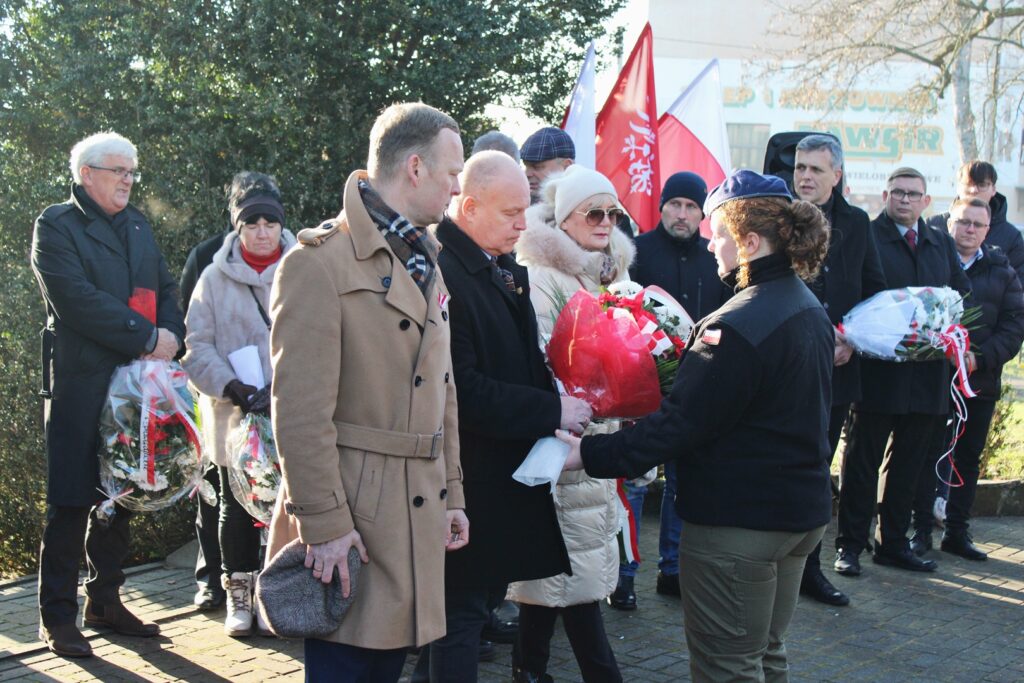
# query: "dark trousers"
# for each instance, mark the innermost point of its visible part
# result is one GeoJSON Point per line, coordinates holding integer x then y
{"type": "Point", "coordinates": [453, 658]}
{"type": "Point", "coordinates": [106, 547]}
{"type": "Point", "coordinates": [239, 535]}
{"type": "Point", "coordinates": [836, 420]}
{"type": "Point", "coordinates": [584, 627]}
{"type": "Point", "coordinates": [967, 457]}
{"type": "Point", "coordinates": [912, 437]}
{"type": "Point", "coordinates": [208, 533]}
{"type": "Point", "coordinates": [339, 663]}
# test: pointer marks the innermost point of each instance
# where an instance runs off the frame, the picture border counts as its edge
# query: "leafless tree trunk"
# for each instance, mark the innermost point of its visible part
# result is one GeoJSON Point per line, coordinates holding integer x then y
{"type": "Point", "coordinates": [963, 116]}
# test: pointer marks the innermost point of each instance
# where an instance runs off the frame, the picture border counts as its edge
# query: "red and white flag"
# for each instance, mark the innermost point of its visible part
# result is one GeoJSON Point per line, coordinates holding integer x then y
{"type": "Point", "coordinates": [627, 136]}
{"type": "Point", "coordinates": [579, 117]}
{"type": "Point", "coordinates": [692, 132]}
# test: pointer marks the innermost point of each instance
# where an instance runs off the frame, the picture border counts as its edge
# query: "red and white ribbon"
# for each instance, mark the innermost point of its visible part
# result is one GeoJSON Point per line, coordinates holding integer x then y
{"type": "Point", "coordinates": [955, 341]}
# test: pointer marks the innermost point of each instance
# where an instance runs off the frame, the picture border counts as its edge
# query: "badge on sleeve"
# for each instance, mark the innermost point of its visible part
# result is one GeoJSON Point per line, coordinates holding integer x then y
{"type": "Point", "coordinates": [442, 301]}
{"type": "Point", "coordinates": [711, 337]}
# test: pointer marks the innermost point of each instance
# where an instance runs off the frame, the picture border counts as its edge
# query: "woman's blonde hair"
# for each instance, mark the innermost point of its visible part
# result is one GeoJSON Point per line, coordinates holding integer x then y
{"type": "Point", "coordinates": [796, 228]}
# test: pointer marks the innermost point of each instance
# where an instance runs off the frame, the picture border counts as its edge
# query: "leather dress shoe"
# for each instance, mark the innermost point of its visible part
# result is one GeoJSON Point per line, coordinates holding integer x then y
{"type": "Point", "coordinates": [117, 617]}
{"type": "Point", "coordinates": [623, 597]}
{"type": "Point", "coordinates": [903, 559]}
{"type": "Point", "coordinates": [847, 562]}
{"type": "Point", "coordinates": [498, 631]}
{"type": "Point", "coordinates": [486, 653]}
{"type": "Point", "coordinates": [815, 585]}
{"type": "Point", "coordinates": [524, 676]}
{"type": "Point", "coordinates": [668, 584]}
{"type": "Point", "coordinates": [209, 597]}
{"type": "Point", "coordinates": [921, 542]}
{"type": "Point", "coordinates": [65, 640]}
{"type": "Point", "coordinates": [962, 545]}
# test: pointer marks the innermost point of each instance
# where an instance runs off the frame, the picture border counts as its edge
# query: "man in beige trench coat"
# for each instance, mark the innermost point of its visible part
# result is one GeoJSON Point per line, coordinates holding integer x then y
{"type": "Point", "coordinates": [364, 404]}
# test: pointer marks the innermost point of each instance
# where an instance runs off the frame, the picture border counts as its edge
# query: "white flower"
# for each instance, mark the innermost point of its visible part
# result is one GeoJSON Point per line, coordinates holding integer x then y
{"type": "Point", "coordinates": [625, 288]}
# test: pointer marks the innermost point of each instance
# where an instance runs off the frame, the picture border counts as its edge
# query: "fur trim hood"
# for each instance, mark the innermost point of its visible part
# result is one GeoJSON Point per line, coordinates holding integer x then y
{"type": "Point", "coordinates": [229, 259]}
{"type": "Point", "coordinates": [545, 244]}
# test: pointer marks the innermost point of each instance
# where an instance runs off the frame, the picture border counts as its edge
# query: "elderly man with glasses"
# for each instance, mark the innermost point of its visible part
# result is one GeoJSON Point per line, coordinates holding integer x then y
{"type": "Point", "coordinates": [109, 299]}
{"type": "Point", "coordinates": [906, 402]}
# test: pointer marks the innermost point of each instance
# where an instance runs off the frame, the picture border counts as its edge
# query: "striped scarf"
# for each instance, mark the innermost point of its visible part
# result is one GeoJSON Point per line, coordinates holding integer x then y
{"type": "Point", "coordinates": [411, 245]}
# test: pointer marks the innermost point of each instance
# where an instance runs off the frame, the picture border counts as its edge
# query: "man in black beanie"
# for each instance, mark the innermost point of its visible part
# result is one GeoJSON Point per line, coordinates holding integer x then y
{"type": "Point", "coordinates": [674, 257]}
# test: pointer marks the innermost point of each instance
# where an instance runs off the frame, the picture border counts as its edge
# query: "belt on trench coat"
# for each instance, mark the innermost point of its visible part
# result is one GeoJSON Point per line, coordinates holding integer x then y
{"type": "Point", "coordinates": [401, 444]}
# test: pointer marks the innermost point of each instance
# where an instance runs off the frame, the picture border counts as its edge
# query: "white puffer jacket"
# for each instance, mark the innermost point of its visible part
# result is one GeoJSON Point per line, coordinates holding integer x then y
{"type": "Point", "coordinates": [588, 509]}
{"type": "Point", "coordinates": [222, 318]}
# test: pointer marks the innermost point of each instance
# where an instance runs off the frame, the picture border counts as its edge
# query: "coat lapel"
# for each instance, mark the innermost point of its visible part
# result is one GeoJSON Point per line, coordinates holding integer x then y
{"type": "Point", "coordinates": [136, 246]}
{"type": "Point", "coordinates": [404, 294]}
{"type": "Point", "coordinates": [99, 230]}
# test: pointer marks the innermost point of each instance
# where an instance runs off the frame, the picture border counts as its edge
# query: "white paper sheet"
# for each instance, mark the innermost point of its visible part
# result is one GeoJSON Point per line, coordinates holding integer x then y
{"type": "Point", "coordinates": [247, 366]}
{"type": "Point", "coordinates": [543, 464]}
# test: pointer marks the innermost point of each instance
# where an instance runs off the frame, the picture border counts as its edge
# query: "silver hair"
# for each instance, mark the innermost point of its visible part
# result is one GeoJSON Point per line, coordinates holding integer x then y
{"type": "Point", "coordinates": [812, 143]}
{"type": "Point", "coordinates": [91, 150]}
{"type": "Point", "coordinates": [497, 140]}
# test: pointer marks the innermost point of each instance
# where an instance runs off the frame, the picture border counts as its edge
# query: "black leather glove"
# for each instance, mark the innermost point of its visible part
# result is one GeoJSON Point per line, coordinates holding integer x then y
{"type": "Point", "coordinates": [260, 402]}
{"type": "Point", "coordinates": [239, 394]}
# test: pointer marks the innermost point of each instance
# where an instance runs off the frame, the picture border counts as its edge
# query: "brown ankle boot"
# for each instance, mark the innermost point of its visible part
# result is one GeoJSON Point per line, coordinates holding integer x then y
{"type": "Point", "coordinates": [117, 617]}
{"type": "Point", "coordinates": [65, 640]}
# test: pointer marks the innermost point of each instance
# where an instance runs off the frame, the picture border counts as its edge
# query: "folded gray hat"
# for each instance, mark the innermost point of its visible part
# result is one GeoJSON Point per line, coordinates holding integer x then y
{"type": "Point", "coordinates": [296, 605]}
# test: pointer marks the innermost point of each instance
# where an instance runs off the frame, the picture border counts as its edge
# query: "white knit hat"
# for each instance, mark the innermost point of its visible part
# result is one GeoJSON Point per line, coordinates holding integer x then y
{"type": "Point", "coordinates": [568, 190]}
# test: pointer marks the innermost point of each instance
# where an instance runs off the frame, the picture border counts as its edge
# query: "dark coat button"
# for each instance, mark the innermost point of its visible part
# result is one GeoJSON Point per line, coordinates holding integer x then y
{"type": "Point", "coordinates": [444, 315]}
{"type": "Point", "coordinates": [404, 324]}
{"type": "Point", "coordinates": [444, 493]}
{"type": "Point", "coordinates": [132, 324]}
{"type": "Point", "coordinates": [446, 378]}
{"type": "Point", "coordinates": [418, 501]}
{"type": "Point", "coordinates": [419, 380]}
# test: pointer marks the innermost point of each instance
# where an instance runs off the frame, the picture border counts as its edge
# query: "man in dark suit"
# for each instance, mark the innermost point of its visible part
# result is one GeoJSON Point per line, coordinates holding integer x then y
{"type": "Point", "coordinates": [851, 273]}
{"type": "Point", "coordinates": [905, 401]}
{"type": "Point", "coordinates": [93, 256]}
{"type": "Point", "coordinates": [506, 402]}
{"type": "Point", "coordinates": [674, 257]}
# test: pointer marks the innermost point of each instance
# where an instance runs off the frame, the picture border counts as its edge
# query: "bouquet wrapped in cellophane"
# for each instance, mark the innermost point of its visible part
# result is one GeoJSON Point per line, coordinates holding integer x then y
{"type": "Point", "coordinates": [253, 468]}
{"type": "Point", "coordinates": [907, 324]}
{"type": "Point", "coordinates": [619, 351]}
{"type": "Point", "coordinates": [149, 453]}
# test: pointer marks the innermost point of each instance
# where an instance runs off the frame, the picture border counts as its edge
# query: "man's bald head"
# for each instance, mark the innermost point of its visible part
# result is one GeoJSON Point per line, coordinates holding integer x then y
{"type": "Point", "coordinates": [491, 207]}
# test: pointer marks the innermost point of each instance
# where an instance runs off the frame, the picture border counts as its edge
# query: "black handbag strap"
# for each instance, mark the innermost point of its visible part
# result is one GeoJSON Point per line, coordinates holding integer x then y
{"type": "Point", "coordinates": [263, 313]}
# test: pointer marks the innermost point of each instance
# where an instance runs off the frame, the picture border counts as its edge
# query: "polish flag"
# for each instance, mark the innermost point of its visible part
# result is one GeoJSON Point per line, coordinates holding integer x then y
{"type": "Point", "coordinates": [692, 132]}
{"type": "Point", "coordinates": [627, 136]}
{"type": "Point", "coordinates": [579, 117]}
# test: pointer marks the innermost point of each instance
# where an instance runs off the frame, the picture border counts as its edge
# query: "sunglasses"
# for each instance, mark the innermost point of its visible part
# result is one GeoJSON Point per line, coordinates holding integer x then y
{"type": "Point", "coordinates": [596, 216]}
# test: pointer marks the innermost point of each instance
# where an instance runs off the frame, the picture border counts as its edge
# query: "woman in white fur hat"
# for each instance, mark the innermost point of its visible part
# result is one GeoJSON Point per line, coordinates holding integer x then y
{"type": "Point", "coordinates": [571, 242]}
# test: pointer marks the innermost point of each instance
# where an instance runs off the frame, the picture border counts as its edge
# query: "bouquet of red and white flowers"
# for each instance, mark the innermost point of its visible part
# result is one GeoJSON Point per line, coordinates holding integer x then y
{"type": "Point", "coordinates": [254, 471]}
{"type": "Point", "coordinates": [149, 452]}
{"type": "Point", "coordinates": [913, 324]}
{"type": "Point", "coordinates": [619, 351]}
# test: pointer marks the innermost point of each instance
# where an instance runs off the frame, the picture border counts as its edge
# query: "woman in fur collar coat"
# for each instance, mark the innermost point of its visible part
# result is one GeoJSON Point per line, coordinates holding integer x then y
{"type": "Point", "coordinates": [571, 242]}
{"type": "Point", "coordinates": [227, 312]}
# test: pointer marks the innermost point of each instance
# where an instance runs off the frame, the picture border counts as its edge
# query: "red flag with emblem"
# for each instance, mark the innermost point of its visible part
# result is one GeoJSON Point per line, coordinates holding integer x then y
{"type": "Point", "coordinates": [627, 136]}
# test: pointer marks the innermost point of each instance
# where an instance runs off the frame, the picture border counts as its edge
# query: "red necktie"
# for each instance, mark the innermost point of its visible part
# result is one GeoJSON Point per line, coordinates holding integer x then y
{"type": "Point", "coordinates": [911, 236]}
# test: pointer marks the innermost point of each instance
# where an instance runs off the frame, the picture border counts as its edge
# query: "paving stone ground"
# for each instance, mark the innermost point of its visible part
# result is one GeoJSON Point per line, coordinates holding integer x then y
{"type": "Point", "coordinates": [964, 623]}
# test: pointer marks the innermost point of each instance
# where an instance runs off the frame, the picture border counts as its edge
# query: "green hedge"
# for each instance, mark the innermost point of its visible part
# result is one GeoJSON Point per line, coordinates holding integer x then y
{"type": "Point", "coordinates": [205, 89]}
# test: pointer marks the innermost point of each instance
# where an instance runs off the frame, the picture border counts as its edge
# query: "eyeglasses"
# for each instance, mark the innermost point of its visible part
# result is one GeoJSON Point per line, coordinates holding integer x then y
{"type": "Point", "coordinates": [899, 194]}
{"type": "Point", "coordinates": [125, 173]}
{"type": "Point", "coordinates": [964, 223]}
{"type": "Point", "coordinates": [596, 216]}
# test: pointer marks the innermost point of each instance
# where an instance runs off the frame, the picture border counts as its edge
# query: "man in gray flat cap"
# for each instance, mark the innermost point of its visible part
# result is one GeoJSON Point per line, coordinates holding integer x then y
{"type": "Point", "coordinates": [548, 151]}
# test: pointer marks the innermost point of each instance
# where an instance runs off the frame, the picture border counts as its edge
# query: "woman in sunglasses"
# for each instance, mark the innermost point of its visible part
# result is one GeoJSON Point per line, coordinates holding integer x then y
{"type": "Point", "coordinates": [571, 241]}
